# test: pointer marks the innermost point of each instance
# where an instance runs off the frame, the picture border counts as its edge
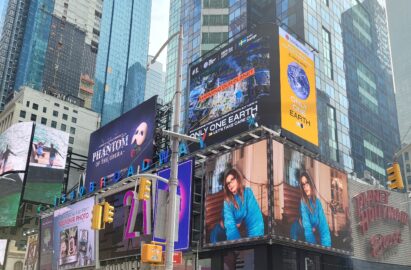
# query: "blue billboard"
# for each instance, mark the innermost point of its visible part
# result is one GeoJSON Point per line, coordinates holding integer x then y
{"type": "Point", "coordinates": [122, 145]}
{"type": "Point", "coordinates": [185, 175]}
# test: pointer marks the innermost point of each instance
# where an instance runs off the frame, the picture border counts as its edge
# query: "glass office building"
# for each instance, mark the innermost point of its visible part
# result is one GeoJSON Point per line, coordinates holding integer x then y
{"type": "Point", "coordinates": [122, 57]}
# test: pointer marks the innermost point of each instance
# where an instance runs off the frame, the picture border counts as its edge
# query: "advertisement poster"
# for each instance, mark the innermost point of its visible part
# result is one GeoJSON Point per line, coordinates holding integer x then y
{"type": "Point", "coordinates": [124, 142]}
{"type": "Point", "coordinates": [46, 243]}
{"type": "Point", "coordinates": [32, 253]}
{"type": "Point", "coordinates": [3, 249]}
{"type": "Point", "coordinates": [73, 238]}
{"type": "Point", "coordinates": [47, 162]}
{"type": "Point", "coordinates": [185, 176]}
{"type": "Point", "coordinates": [14, 150]}
{"type": "Point", "coordinates": [311, 200]}
{"type": "Point", "coordinates": [114, 242]}
{"type": "Point", "coordinates": [298, 92]}
{"type": "Point", "coordinates": [230, 92]}
{"type": "Point", "coordinates": [236, 195]}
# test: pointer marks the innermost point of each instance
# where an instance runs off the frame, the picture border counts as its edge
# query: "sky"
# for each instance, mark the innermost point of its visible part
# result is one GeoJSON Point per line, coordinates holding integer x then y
{"type": "Point", "coordinates": [159, 28]}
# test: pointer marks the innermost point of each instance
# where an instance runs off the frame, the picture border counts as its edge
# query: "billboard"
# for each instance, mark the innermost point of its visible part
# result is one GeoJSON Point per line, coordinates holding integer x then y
{"type": "Point", "coordinates": [73, 238]}
{"type": "Point", "coordinates": [311, 202]}
{"type": "Point", "coordinates": [236, 195]}
{"type": "Point", "coordinates": [230, 92]}
{"type": "Point", "coordinates": [32, 253]}
{"type": "Point", "coordinates": [10, 194]}
{"type": "Point", "coordinates": [47, 163]}
{"type": "Point", "coordinates": [46, 243]}
{"type": "Point", "coordinates": [298, 91]}
{"type": "Point", "coordinates": [182, 235]}
{"type": "Point", "coordinates": [3, 249]}
{"type": "Point", "coordinates": [124, 142]}
{"type": "Point", "coordinates": [115, 240]}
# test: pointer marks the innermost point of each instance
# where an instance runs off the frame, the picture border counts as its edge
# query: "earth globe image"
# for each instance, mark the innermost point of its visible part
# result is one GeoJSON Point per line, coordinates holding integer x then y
{"type": "Point", "coordinates": [297, 78]}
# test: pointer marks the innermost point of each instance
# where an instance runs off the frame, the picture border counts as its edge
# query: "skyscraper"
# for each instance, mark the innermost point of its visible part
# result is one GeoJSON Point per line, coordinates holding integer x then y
{"type": "Point", "coordinates": [155, 80]}
{"type": "Point", "coordinates": [122, 57]}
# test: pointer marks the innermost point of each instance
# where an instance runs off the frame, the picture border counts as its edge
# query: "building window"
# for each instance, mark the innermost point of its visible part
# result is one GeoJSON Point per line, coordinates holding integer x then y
{"type": "Point", "coordinates": [361, 23]}
{"type": "Point", "coordinates": [28, 104]}
{"type": "Point", "coordinates": [35, 106]}
{"type": "Point", "coordinates": [63, 127]}
{"type": "Point", "coordinates": [367, 87]}
{"type": "Point", "coordinates": [327, 56]}
{"type": "Point", "coordinates": [65, 116]}
{"type": "Point", "coordinates": [72, 130]}
{"type": "Point", "coordinates": [73, 119]}
{"type": "Point", "coordinates": [215, 20]}
{"type": "Point", "coordinates": [332, 133]}
{"type": "Point", "coordinates": [408, 167]}
{"type": "Point", "coordinates": [71, 140]}
{"type": "Point", "coordinates": [33, 117]}
{"type": "Point", "coordinates": [53, 124]}
{"type": "Point", "coordinates": [406, 156]}
{"type": "Point", "coordinates": [215, 4]}
{"type": "Point", "coordinates": [55, 113]}
{"type": "Point", "coordinates": [44, 121]}
{"type": "Point", "coordinates": [326, 2]}
{"type": "Point", "coordinates": [23, 114]}
{"type": "Point", "coordinates": [66, 108]}
{"type": "Point", "coordinates": [75, 111]}
{"type": "Point", "coordinates": [44, 109]}
{"type": "Point", "coordinates": [56, 104]}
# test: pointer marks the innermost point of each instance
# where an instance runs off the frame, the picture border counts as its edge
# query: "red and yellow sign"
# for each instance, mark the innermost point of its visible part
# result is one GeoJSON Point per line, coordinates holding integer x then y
{"type": "Point", "coordinates": [298, 92]}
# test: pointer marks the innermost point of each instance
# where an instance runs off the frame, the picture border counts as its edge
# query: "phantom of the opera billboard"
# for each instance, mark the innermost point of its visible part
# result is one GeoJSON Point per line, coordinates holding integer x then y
{"type": "Point", "coordinates": [230, 92]}
{"type": "Point", "coordinates": [46, 164]}
{"type": "Point", "coordinates": [14, 151]}
{"type": "Point", "coordinates": [236, 196]}
{"type": "Point", "coordinates": [73, 238]}
{"type": "Point", "coordinates": [118, 148]}
{"type": "Point", "coordinates": [311, 204]}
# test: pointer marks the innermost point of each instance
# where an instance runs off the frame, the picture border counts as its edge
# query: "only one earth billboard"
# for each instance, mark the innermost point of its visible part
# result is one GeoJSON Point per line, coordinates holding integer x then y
{"type": "Point", "coordinates": [124, 142]}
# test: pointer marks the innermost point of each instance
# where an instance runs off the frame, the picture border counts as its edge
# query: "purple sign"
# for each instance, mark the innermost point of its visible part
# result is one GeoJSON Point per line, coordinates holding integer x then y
{"type": "Point", "coordinates": [185, 174]}
{"type": "Point", "coordinates": [119, 147]}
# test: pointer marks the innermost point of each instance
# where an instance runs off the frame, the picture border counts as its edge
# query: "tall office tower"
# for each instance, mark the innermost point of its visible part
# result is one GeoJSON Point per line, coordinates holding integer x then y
{"type": "Point", "coordinates": [399, 20]}
{"type": "Point", "coordinates": [372, 115]}
{"type": "Point", "coordinates": [122, 57]}
{"type": "Point", "coordinates": [155, 81]}
{"type": "Point", "coordinates": [11, 41]}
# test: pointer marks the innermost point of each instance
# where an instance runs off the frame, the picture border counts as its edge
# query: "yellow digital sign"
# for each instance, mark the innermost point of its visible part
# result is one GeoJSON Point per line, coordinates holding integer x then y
{"type": "Point", "coordinates": [298, 92]}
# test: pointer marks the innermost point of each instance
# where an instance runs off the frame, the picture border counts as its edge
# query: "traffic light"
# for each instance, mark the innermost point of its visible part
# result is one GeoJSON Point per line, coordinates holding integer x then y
{"type": "Point", "coordinates": [144, 190]}
{"type": "Point", "coordinates": [96, 218]}
{"type": "Point", "coordinates": [394, 176]}
{"type": "Point", "coordinates": [151, 253]}
{"type": "Point", "coordinates": [108, 213]}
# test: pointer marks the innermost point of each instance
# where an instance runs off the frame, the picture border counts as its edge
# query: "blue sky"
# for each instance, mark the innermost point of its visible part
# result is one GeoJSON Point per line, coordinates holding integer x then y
{"type": "Point", "coordinates": [159, 28]}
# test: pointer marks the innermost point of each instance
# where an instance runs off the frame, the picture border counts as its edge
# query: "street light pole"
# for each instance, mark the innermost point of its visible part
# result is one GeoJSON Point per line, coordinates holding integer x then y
{"type": "Point", "coordinates": [173, 183]}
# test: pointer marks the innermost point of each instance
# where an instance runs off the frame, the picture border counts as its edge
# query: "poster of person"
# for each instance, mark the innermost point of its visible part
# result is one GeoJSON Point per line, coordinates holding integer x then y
{"type": "Point", "coordinates": [73, 238]}
{"type": "Point", "coordinates": [236, 195]}
{"type": "Point", "coordinates": [310, 200]}
{"type": "Point", "coordinates": [46, 243]}
{"type": "Point", "coordinates": [32, 253]}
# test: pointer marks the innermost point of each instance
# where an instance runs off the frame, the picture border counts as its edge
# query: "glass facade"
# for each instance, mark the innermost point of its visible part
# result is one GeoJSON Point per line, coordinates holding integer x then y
{"type": "Point", "coordinates": [122, 57]}
{"type": "Point", "coordinates": [33, 52]}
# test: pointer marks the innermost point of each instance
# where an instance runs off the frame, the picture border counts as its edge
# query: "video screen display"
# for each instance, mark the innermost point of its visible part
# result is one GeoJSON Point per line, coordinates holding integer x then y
{"type": "Point", "coordinates": [47, 163]}
{"type": "Point", "coordinates": [10, 195]}
{"type": "Point", "coordinates": [236, 195]}
{"type": "Point", "coordinates": [311, 202]}
{"type": "Point", "coordinates": [230, 92]}
{"type": "Point", "coordinates": [73, 238]}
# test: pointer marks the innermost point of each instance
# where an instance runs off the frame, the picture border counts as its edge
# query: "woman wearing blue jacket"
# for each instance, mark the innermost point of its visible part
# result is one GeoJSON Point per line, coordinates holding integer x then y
{"type": "Point", "coordinates": [240, 206]}
{"type": "Point", "coordinates": [312, 224]}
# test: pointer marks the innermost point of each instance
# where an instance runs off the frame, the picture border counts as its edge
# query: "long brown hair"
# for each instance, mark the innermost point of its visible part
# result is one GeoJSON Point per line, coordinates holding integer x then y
{"type": "Point", "coordinates": [228, 196]}
{"type": "Point", "coordinates": [304, 196]}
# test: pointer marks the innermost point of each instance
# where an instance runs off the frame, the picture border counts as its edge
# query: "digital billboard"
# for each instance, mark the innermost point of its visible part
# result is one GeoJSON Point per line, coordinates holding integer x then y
{"type": "Point", "coordinates": [298, 91]}
{"type": "Point", "coordinates": [46, 243]}
{"type": "Point", "coordinates": [32, 253]}
{"type": "Point", "coordinates": [311, 202]}
{"type": "Point", "coordinates": [230, 92]}
{"type": "Point", "coordinates": [10, 194]}
{"type": "Point", "coordinates": [236, 195]}
{"type": "Point", "coordinates": [47, 163]}
{"type": "Point", "coordinates": [185, 176]}
{"type": "Point", "coordinates": [73, 238]}
{"type": "Point", "coordinates": [124, 142]}
{"type": "Point", "coordinates": [3, 249]}
{"type": "Point", "coordinates": [123, 236]}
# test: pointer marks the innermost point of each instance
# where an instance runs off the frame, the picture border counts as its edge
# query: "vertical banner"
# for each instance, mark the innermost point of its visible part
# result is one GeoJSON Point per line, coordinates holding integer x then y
{"type": "Point", "coordinates": [185, 176]}
{"type": "Point", "coordinates": [298, 91]}
{"type": "Point", "coordinates": [46, 243]}
{"type": "Point", "coordinates": [32, 253]}
{"type": "Point", "coordinates": [73, 239]}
